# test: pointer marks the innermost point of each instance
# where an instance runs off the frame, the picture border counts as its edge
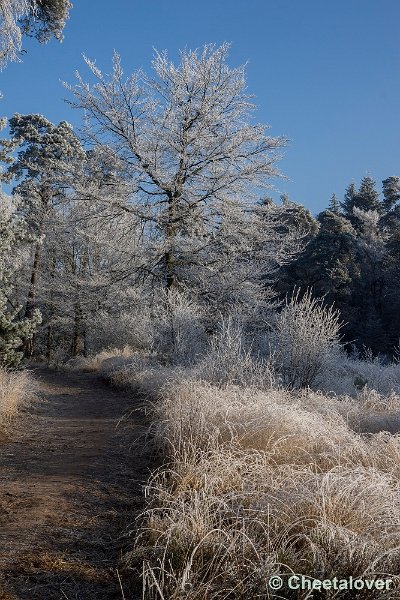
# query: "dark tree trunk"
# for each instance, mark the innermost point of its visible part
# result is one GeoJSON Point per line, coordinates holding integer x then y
{"type": "Point", "coordinates": [171, 233]}
{"type": "Point", "coordinates": [76, 337]}
{"type": "Point", "coordinates": [49, 343]}
{"type": "Point", "coordinates": [30, 303]}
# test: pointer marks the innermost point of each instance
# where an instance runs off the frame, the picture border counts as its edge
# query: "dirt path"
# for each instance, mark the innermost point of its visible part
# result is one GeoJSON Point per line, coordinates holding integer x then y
{"type": "Point", "coordinates": [69, 482]}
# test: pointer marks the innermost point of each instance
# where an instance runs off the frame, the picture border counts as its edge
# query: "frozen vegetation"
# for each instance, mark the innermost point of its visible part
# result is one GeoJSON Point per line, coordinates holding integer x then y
{"type": "Point", "coordinates": [16, 391]}
{"type": "Point", "coordinates": [262, 478]}
{"type": "Point", "coordinates": [263, 340]}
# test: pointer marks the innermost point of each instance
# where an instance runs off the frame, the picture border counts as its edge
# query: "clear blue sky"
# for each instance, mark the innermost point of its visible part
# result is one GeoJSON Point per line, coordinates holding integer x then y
{"type": "Point", "coordinates": [325, 74]}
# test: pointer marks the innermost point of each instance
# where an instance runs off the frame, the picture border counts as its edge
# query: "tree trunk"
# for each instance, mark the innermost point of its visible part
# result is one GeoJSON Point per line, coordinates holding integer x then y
{"type": "Point", "coordinates": [171, 232]}
{"type": "Point", "coordinates": [49, 343]}
{"type": "Point", "coordinates": [30, 303]}
{"type": "Point", "coordinates": [49, 337]}
{"type": "Point", "coordinates": [76, 337]}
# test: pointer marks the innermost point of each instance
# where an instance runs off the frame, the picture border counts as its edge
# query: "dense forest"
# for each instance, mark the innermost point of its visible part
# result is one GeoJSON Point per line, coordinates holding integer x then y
{"type": "Point", "coordinates": [352, 259]}
{"type": "Point", "coordinates": [165, 192]}
{"type": "Point", "coordinates": [96, 239]}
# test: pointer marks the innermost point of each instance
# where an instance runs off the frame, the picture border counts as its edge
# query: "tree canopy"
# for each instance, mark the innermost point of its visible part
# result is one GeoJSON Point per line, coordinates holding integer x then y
{"type": "Point", "coordinates": [41, 19]}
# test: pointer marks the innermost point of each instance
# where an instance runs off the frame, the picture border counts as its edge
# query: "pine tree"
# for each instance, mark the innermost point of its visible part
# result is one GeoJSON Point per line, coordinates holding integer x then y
{"type": "Point", "coordinates": [369, 293]}
{"type": "Point", "coordinates": [334, 254]}
{"type": "Point", "coordinates": [349, 201]}
{"type": "Point", "coordinates": [329, 266]}
{"type": "Point", "coordinates": [41, 19]}
{"type": "Point", "coordinates": [45, 19]}
{"type": "Point", "coordinates": [366, 199]}
{"type": "Point", "coordinates": [44, 167]}
{"type": "Point", "coordinates": [334, 205]}
{"type": "Point", "coordinates": [14, 331]}
{"type": "Point", "coordinates": [391, 312]}
{"type": "Point", "coordinates": [391, 193]}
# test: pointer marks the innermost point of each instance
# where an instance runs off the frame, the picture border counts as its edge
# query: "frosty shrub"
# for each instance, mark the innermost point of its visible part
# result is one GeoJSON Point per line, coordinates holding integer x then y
{"type": "Point", "coordinates": [181, 336]}
{"type": "Point", "coordinates": [306, 335]}
{"type": "Point", "coordinates": [134, 329]}
{"type": "Point", "coordinates": [230, 360]}
{"type": "Point", "coordinates": [346, 375]}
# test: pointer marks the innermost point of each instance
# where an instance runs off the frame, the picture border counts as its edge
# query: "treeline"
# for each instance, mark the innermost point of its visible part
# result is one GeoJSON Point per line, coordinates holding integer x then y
{"type": "Point", "coordinates": [153, 223]}
{"type": "Point", "coordinates": [353, 260]}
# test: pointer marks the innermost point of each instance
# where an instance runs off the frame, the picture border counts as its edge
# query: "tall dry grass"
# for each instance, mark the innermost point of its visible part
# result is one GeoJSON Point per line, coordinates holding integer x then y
{"type": "Point", "coordinates": [16, 389]}
{"type": "Point", "coordinates": [260, 480]}
{"type": "Point", "coordinates": [94, 362]}
{"type": "Point", "coordinates": [268, 482]}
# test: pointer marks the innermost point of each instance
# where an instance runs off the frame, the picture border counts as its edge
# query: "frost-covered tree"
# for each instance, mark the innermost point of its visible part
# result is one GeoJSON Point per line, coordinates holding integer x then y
{"type": "Point", "coordinates": [10, 33]}
{"type": "Point", "coordinates": [370, 290]}
{"type": "Point", "coordinates": [334, 205]}
{"type": "Point", "coordinates": [43, 159]}
{"type": "Point", "coordinates": [241, 260]}
{"type": "Point", "coordinates": [392, 276]}
{"type": "Point", "coordinates": [349, 200]}
{"type": "Point", "coordinates": [329, 264]}
{"type": "Point", "coordinates": [391, 193]}
{"type": "Point", "coordinates": [354, 262]}
{"type": "Point", "coordinates": [366, 199]}
{"type": "Point", "coordinates": [390, 220]}
{"type": "Point", "coordinates": [13, 329]}
{"type": "Point", "coordinates": [41, 19]}
{"type": "Point", "coordinates": [185, 142]}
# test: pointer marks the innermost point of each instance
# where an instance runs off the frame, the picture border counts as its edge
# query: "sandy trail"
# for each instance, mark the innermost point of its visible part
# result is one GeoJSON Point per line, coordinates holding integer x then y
{"type": "Point", "coordinates": [70, 482]}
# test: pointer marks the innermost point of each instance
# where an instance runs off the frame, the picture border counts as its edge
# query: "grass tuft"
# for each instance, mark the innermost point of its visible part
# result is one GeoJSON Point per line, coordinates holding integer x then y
{"type": "Point", "coordinates": [16, 389]}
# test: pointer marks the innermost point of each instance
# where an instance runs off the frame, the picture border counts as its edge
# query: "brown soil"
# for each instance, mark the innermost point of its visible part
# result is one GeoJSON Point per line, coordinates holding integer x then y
{"type": "Point", "coordinates": [70, 485]}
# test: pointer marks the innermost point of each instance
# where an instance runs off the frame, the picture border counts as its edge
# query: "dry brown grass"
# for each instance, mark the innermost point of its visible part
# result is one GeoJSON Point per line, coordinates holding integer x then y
{"type": "Point", "coordinates": [262, 482]}
{"type": "Point", "coordinates": [16, 389]}
{"type": "Point", "coordinates": [5, 595]}
{"type": "Point", "coordinates": [93, 363]}
{"type": "Point", "coordinates": [268, 482]}
{"type": "Point", "coordinates": [44, 561]}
